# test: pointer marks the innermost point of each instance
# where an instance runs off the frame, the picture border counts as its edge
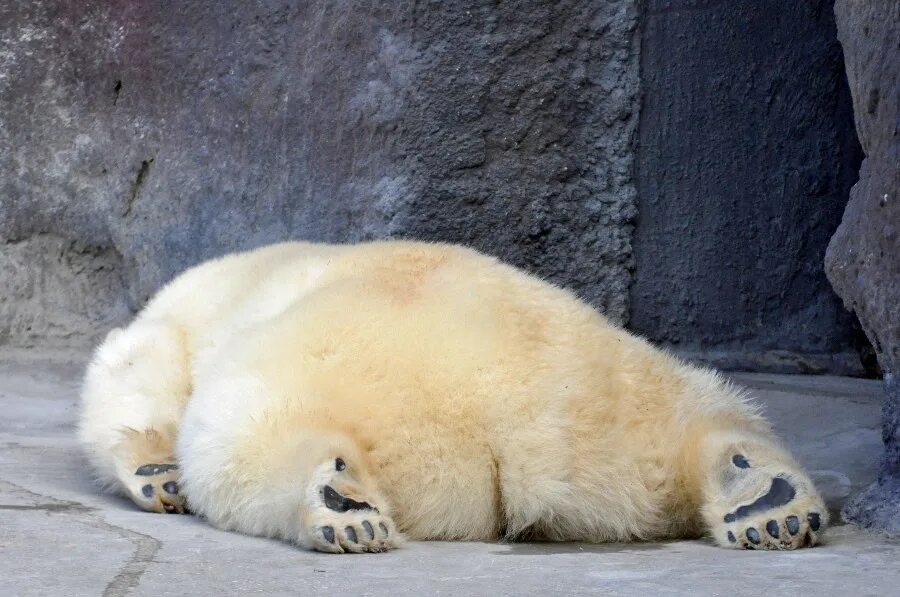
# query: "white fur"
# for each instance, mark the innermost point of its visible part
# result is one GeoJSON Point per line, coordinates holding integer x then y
{"type": "Point", "coordinates": [467, 398]}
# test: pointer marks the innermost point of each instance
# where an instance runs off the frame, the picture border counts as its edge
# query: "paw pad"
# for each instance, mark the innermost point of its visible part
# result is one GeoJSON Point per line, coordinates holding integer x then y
{"type": "Point", "coordinates": [328, 533]}
{"type": "Point", "coordinates": [780, 493]}
{"type": "Point", "coordinates": [764, 507]}
{"type": "Point", "coordinates": [739, 461]}
{"type": "Point", "coordinates": [798, 533]}
{"type": "Point", "coordinates": [351, 534]}
{"type": "Point", "coordinates": [158, 484]}
{"type": "Point", "coordinates": [339, 503]}
{"type": "Point", "coordinates": [337, 520]}
{"type": "Point", "coordinates": [369, 530]}
{"type": "Point", "coordinates": [815, 521]}
{"type": "Point", "coordinates": [148, 470]}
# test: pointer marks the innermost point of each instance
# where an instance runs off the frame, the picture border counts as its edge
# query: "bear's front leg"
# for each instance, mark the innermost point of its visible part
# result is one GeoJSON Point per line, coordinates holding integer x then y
{"type": "Point", "coordinates": [342, 514]}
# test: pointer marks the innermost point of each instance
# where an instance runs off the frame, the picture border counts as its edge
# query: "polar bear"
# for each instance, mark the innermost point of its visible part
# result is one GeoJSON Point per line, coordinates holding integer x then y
{"type": "Point", "coordinates": [345, 397]}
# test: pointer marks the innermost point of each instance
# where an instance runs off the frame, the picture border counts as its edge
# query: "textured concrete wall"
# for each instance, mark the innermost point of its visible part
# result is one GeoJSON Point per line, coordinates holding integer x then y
{"type": "Point", "coordinates": [157, 135]}
{"type": "Point", "coordinates": [137, 139]}
{"type": "Point", "coordinates": [863, 260]}
{"type": "Point", "coordinates": [747, 155]}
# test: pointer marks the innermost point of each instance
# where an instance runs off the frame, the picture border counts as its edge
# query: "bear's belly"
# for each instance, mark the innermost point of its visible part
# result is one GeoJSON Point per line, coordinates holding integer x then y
{"type": "Point", "coordinates": [440, 479]}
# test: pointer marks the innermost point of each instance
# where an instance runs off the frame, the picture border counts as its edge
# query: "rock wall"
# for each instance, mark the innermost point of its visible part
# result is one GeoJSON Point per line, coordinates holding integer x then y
{"type": "Point", "coordinates": [863, 259]}
{"type": "Point", "coordinates": [47, 281]}
{"type": "Point", "coordinates": [747, 155]}
{"type": "Point", "coordinates": [165, 134]}
{"type": "Point", "coordinates": [138, 139]}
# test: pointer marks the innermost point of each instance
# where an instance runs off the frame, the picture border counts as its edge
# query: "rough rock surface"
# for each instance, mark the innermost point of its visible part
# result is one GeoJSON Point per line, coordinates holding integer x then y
{"type": "Point", "coordinates": [160, 135]}
{"type": "Point", "coordinates": [46, 283]}
{"type": "Point", "coordinates": [863, 259]}
{"type": "Point", "coordinates": [747, 155]}
{"type": "Point", "coordinates": [156, 135]}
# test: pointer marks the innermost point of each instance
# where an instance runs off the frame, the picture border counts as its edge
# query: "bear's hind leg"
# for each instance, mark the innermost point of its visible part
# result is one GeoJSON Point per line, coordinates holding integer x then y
{"type": "Point", "coordinates": [275, 471]}
{"type": "Point", "coordinates": [344, 513]}
{"type": "Point", "coordinates": [135, 389]}
{"type": "Point", "coordinates": [148, 471]}
{"type": "Point", "coordinates": [755, 495]}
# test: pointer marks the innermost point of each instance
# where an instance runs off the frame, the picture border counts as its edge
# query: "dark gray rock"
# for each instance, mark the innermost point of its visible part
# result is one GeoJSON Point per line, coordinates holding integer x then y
{"type": "Point", "coordinates": [878, 507]}
{"type": "Point", "coordinates": [166, 134]}
{"type": "Point", "coordinates": [863, 260]}
{"type": "Point", "coordinates": [747, 155]}
{"type": "Point", "coordinates": [157, 135]}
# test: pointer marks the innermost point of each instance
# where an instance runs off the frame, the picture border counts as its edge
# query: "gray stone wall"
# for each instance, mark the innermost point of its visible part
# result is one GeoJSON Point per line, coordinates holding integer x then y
{"type": "Point", "coordinates": [162, 134]}
{"type": "Point", "coordinates": [138, 139]}
{"type": "Point", "coordinates": [747, 155]}
{"type": "Point", "coordinates": [863, 259]}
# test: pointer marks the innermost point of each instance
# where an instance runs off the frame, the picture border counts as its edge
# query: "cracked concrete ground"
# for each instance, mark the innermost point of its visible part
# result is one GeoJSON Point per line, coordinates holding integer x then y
{"type": "Point", "coordinates": [60, 536]}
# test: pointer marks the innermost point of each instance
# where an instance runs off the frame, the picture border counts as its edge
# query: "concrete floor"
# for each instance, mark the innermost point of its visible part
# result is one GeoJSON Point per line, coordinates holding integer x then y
{"type": "Point", "coordinates": [60, 536]}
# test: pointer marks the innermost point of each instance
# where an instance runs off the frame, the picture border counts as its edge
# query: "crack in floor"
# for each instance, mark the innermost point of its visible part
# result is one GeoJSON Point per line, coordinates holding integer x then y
{"type": "Point", "coordinates": [65, 507]}
{"type": "Point", "coordinates": [146, 547]}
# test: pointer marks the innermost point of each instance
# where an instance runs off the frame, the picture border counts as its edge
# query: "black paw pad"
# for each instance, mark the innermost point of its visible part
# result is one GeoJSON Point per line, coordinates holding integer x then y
{"type": "Point", "coordinates": [731, 538]}
{"type": "Point", "coordinates": [739, 461]}
{"type": "Point", "coordinates": [793, 524]}
{"type": "Point", "coordinates": [338, 503]}
{"type": "Point", "coordinates": [339, 464]}
{"type": "Point", "coordinates": [147, 490]}
{"type": "Point", "coordinates": [328, 533]}
{"type": "Point", "coordinates": [148, 470]}
{"type": "Point", "coordinates": [815, 521]}
{"type": "Point", "coordinates": [772, 529]}
{"type": "Point", "coordinates": [780, 493]}
{"type": "Point", "coordinates": [367, 526]}
{"type": "Point", "coordinates": [753, 536]}
{"type": "Point", "coordinates": [383, 528]}
{"type": "Point", "coordinates": [351, 534]}
{"type": "Point", "coordinates": [171, 487]}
